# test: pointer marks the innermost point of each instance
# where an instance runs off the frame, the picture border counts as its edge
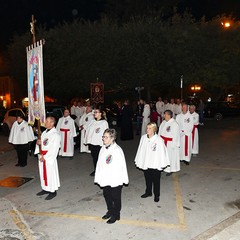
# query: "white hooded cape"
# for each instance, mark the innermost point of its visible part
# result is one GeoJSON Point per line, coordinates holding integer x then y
{"type": "Point", "coordinates": [152, 153]}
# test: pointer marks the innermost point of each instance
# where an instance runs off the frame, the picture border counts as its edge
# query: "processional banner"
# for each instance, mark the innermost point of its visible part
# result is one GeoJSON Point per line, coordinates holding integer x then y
{"type": "Point", "coordinates": [97, 92]}
{"type": "Point", "coordinates": [36, 104]}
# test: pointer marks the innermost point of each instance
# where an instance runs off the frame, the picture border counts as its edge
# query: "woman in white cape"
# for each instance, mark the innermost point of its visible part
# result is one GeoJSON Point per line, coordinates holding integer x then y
{"type": "Point", "coordinates": [111, 174]}
{"type": "Point", "coordinates": [152, 158]}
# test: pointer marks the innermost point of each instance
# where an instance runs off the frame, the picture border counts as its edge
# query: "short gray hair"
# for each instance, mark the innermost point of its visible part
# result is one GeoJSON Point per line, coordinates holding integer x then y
{"type": "Point", "coordinates": [112, 133]}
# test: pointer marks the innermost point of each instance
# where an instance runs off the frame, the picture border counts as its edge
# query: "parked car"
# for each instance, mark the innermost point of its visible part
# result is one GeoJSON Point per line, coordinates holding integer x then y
{"type": "Point", "coordinates": [54, 110]}
{"type": "Point", "coordinates": [218, 110]}
{"type": "Point", "coordinates": [10, 118]}
{"type": "Point", "coordinates": [10, 115]}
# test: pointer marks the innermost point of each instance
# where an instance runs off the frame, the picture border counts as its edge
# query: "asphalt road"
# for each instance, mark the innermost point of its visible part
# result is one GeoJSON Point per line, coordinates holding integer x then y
{"type": "Point", "coordinates": [196, 199]}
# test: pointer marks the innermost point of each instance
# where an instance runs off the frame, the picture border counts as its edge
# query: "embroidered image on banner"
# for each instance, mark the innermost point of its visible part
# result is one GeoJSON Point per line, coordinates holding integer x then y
{"type": "Point", "coordinates": [36, 104]}
{"type": "Point", "coordinates": [97, 92]}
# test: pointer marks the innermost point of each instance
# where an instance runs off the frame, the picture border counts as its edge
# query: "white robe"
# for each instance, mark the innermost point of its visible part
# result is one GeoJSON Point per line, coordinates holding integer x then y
{"type": "Point", "coordinates": [160, 110]}
{"type": "Point", "coordinates": [177, 109]}
{"type": "Point", "coordinates": [195, 136]}
{"type": "Point", "coordinates": [67, 130]}
{"type": "Point", "coordinates": [111, 167]}
{"type": "Point", "coordinates": [146, 118]}
{"type": "Point", "coordinates": [79, 111]}
{"type": "Point", "coordinates": [166, 106]}
{"type": "Point", "coordinates": [50, 143]}
{"type": "Point", "coordinates": [95, 131]}
{"type": "Point", "coordinates": [73, 110]}
{"type": "Point", "coordinates": [84, 122]}
{"type": "Point", "coordinates": [169, 131]}
{"type": "Point", "coordinates": [152, 153]}
{"type": "Point", "coordinates": [21, 133]}
{"type": "Point", "coordinates": [171, 106]}
{"type": "Point", "coordinates": [185, 122]}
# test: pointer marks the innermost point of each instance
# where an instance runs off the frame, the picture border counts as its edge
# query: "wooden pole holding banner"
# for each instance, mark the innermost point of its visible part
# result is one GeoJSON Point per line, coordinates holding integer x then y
{"type": "Point", "coordinates": [32, 24]}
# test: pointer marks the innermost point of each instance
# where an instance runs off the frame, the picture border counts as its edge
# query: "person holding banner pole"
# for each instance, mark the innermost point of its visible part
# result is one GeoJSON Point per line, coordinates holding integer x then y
{"type": "Point", "coordinates": [47, 149]}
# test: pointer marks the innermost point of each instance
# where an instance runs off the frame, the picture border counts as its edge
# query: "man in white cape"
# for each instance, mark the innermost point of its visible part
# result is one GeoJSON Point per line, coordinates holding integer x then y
{"type": "Point", "coordinates": [84, 122]}
{"type": "Point", "coordinates": [185, 122]}
{"type": "Point", "coordinates": [47, 155]}
{"type": "Point", "coordinates": [66, 128]}
{"type": "Point", "coordinates": [169, 132]}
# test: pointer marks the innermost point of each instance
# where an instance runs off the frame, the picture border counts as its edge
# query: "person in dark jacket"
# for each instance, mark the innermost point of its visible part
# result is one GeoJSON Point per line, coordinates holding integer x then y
{"type": "Point", "coordinates": [126, 122]}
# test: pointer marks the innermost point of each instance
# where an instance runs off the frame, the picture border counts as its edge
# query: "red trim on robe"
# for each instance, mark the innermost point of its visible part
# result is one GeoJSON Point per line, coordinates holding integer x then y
{"type": "Point", "coordinates": [44, 169]}
{"type": "Point", "coordinates": [166, 139]}
{"type": "Point", "coordinates": [186, 145]}
{"type": "Point", "coordinates": [65, 138]}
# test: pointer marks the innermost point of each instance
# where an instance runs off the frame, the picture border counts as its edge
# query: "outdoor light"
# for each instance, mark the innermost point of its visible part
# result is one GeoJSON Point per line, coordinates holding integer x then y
{"type": "Point", "coordinates": [195, 88]}
{"type": "Point", "coordinates": [226, 24]}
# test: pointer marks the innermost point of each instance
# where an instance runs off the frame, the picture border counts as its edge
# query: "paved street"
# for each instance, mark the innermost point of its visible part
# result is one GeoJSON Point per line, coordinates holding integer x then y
{"type": "Point", "coordinates": [202, 201]}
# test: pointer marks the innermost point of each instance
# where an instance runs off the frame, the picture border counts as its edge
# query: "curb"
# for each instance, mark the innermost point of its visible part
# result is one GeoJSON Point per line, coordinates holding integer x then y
{"type": "Point", "coordinates": [214, 231]}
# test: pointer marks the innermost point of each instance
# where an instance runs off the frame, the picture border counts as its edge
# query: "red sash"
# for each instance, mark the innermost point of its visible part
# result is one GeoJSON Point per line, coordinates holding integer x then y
{"type": "Point", "coordinates": [186, 145]}
{"type": "Point", "coordinates": [166, 139]}
{"type": "Point", "coordinates": [65, 138]}
{"type": "Point", "coordinates": [44, 168]}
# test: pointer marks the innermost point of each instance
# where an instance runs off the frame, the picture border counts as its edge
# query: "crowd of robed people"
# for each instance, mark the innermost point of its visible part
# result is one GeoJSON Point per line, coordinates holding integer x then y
{"type": "Point", "coordinates": [169, 135]}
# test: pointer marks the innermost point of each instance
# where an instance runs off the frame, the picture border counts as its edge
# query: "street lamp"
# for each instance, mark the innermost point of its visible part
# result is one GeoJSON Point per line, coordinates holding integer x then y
{"type": "Point", "coordinates": [181, 86]}
{"type": "Point", "coordinates": [195, 88]}
{"type": "Point", "coordinates": [226, 24]}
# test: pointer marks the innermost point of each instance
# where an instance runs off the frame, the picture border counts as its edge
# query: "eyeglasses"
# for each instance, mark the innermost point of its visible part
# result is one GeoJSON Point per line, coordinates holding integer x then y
{"type": "Point", "coordinates": [105, 137]}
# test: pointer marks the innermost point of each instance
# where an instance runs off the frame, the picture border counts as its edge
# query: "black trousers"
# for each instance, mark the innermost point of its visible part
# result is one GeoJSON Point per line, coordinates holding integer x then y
{"type": "Point", "coordinates": [95, 149]}
{"type": "Point", "coordinates": [152, 178]}
{"type": "Point", "coordinates": [112, 197]}
{"type": "Point", "coordinates": [22, 153]}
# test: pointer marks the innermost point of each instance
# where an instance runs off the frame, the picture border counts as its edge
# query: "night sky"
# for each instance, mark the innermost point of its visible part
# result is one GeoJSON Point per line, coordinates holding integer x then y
{"type": "Point", "coordinates": [15, 15]}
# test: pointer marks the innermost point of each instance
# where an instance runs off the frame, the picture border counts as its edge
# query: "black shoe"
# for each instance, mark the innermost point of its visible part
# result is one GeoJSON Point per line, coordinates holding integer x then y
{"type": "Point", "coordinates": [51, 195]}
{"type": "Point", "coordinates": [92, 174]}
{"type": "Point", "coordinates": [22, 165]}
{"type": "Point", "coordinates": [145, 195]}
{"type": "Point", "coordinates": [186, 163]}
{"type": "Point", "coordinates": [156, 199]}
{"type": "Point", "coordinates": [106, 216]}
{"type": "Point", "coordinates": [42, 193]}
{"type": "Point", "coordinates": [113, 219]}
{"type": "Point", "coordinates": [168, 174]}
{"type": "Point", "coordinates": [17, 165]}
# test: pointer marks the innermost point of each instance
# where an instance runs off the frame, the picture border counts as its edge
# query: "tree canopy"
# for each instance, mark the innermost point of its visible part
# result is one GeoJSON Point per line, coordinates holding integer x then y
{"type": "Point", "coordinates": [146, 51]}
